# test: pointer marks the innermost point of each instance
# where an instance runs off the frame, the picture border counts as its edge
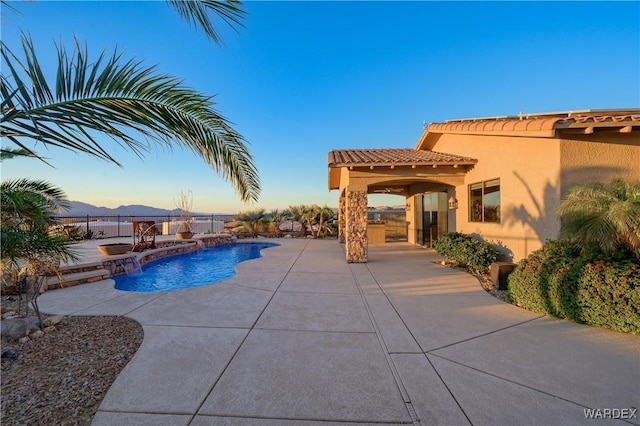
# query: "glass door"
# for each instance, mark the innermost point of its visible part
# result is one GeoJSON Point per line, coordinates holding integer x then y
{"type": "Point", "coordinates": [434, 217]}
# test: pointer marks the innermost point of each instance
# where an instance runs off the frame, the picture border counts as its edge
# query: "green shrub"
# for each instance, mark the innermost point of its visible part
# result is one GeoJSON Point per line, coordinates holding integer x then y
{"type": "Point", "coordinates": [528, 283]}
{"type": "Point", "coordinates": [559, 281]}
{"type": "Point", "coordinates": [609, 295]}
{"type": "Point", "coordinates": [467, 251]}
{"type": "Point", "coordinates": [447, 244]}
{"type": "Point", "coordinates": [547, 280]}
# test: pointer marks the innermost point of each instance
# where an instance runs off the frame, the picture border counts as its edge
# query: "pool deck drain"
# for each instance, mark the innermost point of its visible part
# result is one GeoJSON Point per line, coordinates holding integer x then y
{"type": "Point", "coordinates": [299, 336]}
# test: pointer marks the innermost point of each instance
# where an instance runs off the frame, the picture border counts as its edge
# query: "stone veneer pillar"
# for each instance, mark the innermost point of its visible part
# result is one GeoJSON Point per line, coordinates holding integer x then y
{"type": "Point", "coordinates": [356, 226]}
{"type": "Point", "coordinates": [341, 218]}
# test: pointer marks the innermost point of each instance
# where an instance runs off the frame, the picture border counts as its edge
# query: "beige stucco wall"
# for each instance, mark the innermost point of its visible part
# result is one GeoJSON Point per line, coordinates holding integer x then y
{"type": "Point", "coordinates": [529, 170]}
{"type": "Point", "coordinates": [585, 161]}
{"type": "Point", "coordinates": [533, 173]}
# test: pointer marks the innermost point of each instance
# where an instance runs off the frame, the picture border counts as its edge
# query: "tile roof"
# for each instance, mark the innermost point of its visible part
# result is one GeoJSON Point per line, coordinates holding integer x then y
{"type": "Point", "coordinates": [394, 156]}
{"type": "Point", "coordinates": [600, 120]}
{"type": "Point", "coordinates": [544, 124]}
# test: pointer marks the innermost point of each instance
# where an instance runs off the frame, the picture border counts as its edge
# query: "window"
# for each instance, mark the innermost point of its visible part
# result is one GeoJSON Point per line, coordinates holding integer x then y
{"type": "Point", "coordinates": [484, 201]}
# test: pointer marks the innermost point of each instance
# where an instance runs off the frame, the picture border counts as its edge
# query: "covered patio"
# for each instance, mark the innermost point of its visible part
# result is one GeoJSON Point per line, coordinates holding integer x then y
{"type": "Point", "coordinates": [405, 172]}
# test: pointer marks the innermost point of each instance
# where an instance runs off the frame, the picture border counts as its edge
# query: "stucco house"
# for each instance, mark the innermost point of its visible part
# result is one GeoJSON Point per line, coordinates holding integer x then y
{"type": "Point", "coordinates": [499, 178]}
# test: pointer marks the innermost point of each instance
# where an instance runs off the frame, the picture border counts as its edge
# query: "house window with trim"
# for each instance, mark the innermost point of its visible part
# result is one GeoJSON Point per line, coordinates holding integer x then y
{"type": "Point", "coordinates": [484, 201]}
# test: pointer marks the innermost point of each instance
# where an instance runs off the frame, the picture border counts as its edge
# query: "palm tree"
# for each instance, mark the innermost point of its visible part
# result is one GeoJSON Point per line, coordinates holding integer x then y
{"type": "Point", "coordinates": [323, 216]}
{"type": "Point", "coordinates": [604, 216]}
{"type": "Point", "coordinates": [299, 213]}
{"type": "Point", "coordinates": [101, 95]}
{"type": "Point", "coordinates": [28, 209]}
{"type": "Point", "coordinates": [309, 218]}
{"type": "Point", "coordinates": [105, 96]}
{"type": "Point", "coordinates": [276, 217]}
{"type": "Point", "coordinates": [253, 221]}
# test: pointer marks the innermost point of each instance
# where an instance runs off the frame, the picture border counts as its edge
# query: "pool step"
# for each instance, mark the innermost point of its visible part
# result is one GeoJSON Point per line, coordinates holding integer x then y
{"type": "Point", "coordinates": [76, 274]}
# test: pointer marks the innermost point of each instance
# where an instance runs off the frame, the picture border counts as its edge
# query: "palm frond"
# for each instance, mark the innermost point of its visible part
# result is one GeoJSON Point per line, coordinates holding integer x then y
{"type": "Point", "coordinates": [606, 216]}
{"type": "Point", "coordinates": [27, 209]}
{"type": "Point", "coordinates": [197, 12]}
{"type": "Point", "coordinates": [34, 202]}
{"type": "Point", "coordinates": [6, 4]}
{"type": "Point", "coordinates": [8, 153]}
{"type": "Point", "coordinates": [121, 99]}
{"type": "Point", "coordinates": [18, 245]}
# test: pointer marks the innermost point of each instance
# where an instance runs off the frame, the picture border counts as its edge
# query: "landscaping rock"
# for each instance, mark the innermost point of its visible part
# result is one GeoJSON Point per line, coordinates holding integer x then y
{"type": "Point", "coordinates": [17, 327]}
{"type": "Point", "coordinates": [54, 320]}
{"type": "Point", "coordinates": [36, 334]}
{"type": "Point", "coordinates": [9, 355]}
{"type": "Point", "coordinates": [9, 314]}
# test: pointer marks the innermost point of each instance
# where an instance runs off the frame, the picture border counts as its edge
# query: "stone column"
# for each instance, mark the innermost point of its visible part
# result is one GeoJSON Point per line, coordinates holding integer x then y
{"type": "Point", "coordinates": [341, 217]}
{"type": "Point", "coordinates": [356, 226]}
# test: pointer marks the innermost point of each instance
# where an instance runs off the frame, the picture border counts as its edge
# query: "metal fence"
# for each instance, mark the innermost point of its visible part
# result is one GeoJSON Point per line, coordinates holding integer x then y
{"type": "Point", "coordinates": [88, 227]}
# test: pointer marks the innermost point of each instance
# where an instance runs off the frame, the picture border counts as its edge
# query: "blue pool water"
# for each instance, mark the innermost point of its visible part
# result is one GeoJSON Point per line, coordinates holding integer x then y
{"type": "Point", "coordinates": [189, 270]}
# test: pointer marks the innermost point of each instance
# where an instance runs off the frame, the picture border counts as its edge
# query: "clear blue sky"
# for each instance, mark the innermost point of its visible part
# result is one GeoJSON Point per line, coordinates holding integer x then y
{"type": "Point", "coordinates": [303, 78]}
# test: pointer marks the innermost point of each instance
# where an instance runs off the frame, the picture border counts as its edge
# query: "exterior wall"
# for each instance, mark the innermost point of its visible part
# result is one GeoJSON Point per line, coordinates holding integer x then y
{"type": "Point", "coordinates": [534, 173]}
{"type": "Point", "coordinates": [588, 161]}
{"type": "Point", "coordinates": [529, 173]}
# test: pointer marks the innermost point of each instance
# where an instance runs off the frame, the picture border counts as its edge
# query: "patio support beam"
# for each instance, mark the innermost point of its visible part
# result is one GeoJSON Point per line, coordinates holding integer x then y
{"type": "Point", "coordinates": [356, 242]}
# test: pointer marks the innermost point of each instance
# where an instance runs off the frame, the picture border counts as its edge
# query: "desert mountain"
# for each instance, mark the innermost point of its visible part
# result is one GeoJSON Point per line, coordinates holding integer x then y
{"type": "Point", "coordinates": [79, 208]}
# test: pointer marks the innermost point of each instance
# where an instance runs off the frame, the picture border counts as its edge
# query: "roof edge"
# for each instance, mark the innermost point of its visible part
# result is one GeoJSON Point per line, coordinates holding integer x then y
{"type": "Point", "coordinates": [541, 125]}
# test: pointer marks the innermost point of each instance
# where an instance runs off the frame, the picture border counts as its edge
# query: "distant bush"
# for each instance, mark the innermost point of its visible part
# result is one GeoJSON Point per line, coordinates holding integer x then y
{"type": "Point", "coordinates": [593, 288]}
{"type": "Point", "coordinates": [467, 251]}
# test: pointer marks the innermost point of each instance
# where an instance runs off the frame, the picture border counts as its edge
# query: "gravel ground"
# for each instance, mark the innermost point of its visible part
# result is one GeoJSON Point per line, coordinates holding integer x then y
{"type": "Point", "coordinates": [490, 287]}
{"type": "Point", "coordinates": [61, 378]}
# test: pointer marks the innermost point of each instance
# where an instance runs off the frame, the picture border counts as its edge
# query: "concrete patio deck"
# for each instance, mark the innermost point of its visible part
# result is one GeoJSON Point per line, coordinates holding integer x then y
{"type": "Point", "coordinates": [301, 337]}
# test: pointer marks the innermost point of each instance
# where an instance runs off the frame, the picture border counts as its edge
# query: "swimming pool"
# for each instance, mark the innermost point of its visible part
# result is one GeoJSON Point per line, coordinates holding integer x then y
{"type": "Point", "coordinates": [189, 270]}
